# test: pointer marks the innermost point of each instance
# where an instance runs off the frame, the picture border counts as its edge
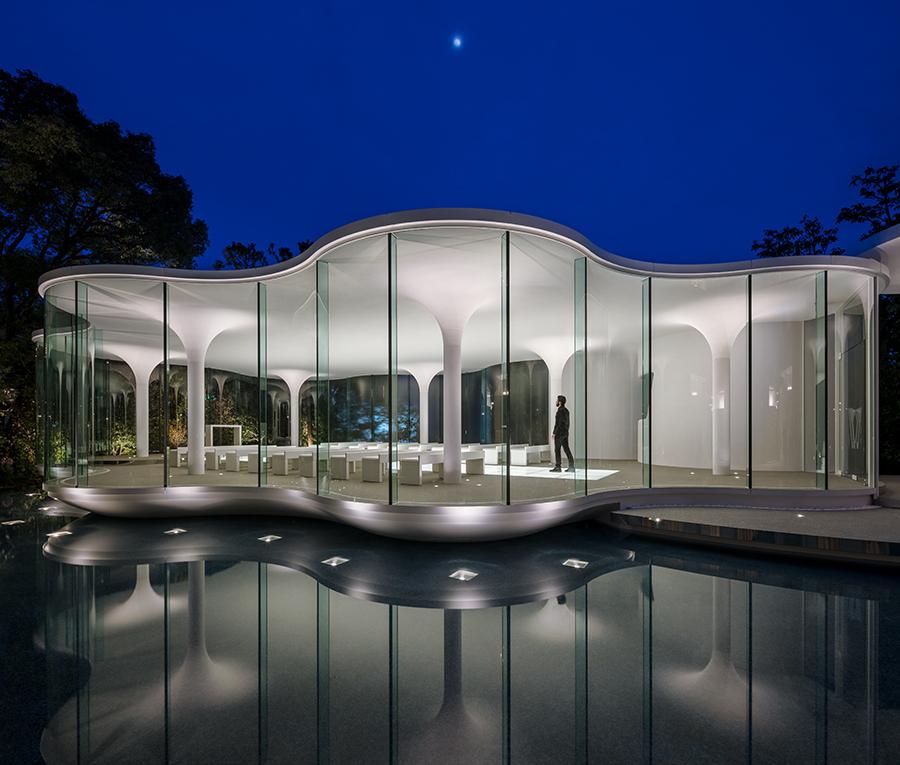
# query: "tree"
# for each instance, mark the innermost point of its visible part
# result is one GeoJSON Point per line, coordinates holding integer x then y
{"type": "Point", "coordinates": [808, 238]}
{"type": "Point", "coordinates": [238, 255]}
{"type": "Point", "coordinates": [880, 189]}
{"type": "Point", "coordinates": [72, 192]}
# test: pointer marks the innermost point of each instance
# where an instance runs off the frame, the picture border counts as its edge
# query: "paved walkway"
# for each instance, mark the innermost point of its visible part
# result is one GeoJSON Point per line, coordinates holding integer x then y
{"type": "Point", "coordinates": [867, 535]}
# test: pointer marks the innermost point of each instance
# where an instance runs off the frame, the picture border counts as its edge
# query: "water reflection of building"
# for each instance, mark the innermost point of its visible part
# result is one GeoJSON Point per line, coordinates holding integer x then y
{"type": "Point", "coordinates": [242, 649]}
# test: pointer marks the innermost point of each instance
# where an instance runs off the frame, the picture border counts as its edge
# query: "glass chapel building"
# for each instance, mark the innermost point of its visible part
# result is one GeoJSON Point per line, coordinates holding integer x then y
{"type": "Point", "coordinates": [401, 377]}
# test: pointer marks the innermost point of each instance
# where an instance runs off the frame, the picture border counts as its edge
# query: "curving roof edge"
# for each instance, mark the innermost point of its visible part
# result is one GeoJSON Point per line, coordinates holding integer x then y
{"type": "Point", "coordinates": [444, 217]}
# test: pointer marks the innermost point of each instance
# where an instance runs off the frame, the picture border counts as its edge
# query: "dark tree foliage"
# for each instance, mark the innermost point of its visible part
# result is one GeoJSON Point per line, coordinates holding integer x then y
{"type": "Point", "coordinates": [880, 189]}
{"type": "Point", "coordinates": [72, 191]}
{"type": "Point", "coordinates": [810, 237]}
{"type": "Point", "coordinates": [889, 384]}
{"type": "Point", "coordinates": [238, 255]}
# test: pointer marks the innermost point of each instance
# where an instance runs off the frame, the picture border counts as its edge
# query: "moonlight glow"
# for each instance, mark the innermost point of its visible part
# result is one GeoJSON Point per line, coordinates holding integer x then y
{"type": "Point", "coordinates": [457, 41]}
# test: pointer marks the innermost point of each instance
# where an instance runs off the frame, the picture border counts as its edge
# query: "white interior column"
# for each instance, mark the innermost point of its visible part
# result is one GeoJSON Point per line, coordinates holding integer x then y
{"type": "Point", "coordinates": [142, 414]}
{"type": "Point", "coordinates": [721, 415]}
{"type": "Point", "coordinates": [295, 416]}
{"type": "Point", "coordinates": [452, 406]}
{"type": "Point", "coordinates": [423, 374]}
{"type": "Point", "coordinates": [196, 415]}
{"type": "Point", "coordinates": [555, 381]}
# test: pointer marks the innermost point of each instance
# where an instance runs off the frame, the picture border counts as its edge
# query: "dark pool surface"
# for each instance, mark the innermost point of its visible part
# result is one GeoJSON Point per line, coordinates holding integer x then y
{"type": "Point", "coordinates": [126, 644]}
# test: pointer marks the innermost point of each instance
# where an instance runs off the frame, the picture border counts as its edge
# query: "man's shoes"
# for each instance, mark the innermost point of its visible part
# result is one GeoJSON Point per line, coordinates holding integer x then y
{"type": "Point", "coordinates": [556, 470]}
{"type": "Point", "coordinates": [570, 469]}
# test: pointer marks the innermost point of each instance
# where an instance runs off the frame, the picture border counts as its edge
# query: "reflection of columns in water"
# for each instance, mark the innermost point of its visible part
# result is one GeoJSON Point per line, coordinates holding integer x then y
{"type": "Point", "coordinates": [196, 647]}
{"type": "Point", "coordinates": [452, 660]}
{"type": "Point", "coordinates": [721, 416]}
{"type": "Point", "coordinates": [452, 406]}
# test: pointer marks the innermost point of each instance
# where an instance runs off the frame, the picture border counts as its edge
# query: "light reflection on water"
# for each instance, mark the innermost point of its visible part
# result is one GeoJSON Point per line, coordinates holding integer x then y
{"type": "Point", "coordinates": [233, 650]}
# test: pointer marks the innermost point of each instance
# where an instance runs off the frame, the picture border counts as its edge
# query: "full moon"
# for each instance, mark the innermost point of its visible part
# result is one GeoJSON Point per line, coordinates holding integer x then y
{"type": "Point", "coordinates": [457, 41]}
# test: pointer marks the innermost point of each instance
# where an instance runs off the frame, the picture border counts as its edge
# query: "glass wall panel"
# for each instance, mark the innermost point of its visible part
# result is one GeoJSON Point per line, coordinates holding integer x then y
{"type": "Point", "coordinates": [127, 396]}
{"type": "Point", "coordinates": [546, 328]}
{"type": "Point", "coordinates": [213, 344]}
{"type": "Point", "coordinates": [699, 400]}
{"type": "Point", "coordinates": [291, 361]}
{"type": "Point", "coordinates": [615, 416]}
{"type": "Point", "coordinates": [448, 310]}
{"type": "Point", "coordinates": [786, 376]}
{"type": "Point", "coordinates": [353, 370]}
{"type": "Point", "coordinates": [850, 310]}
{"type": "Point", "coordinates": [59, 358]}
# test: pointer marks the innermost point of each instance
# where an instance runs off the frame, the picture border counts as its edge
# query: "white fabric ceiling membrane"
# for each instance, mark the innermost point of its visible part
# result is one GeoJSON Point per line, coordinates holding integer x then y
{"type": "Point", "coordinates": [448, 284]}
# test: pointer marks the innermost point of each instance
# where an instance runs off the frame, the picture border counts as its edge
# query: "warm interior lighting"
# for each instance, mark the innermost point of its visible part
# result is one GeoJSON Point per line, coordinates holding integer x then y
{"type": "Point", "coordinates": [173, 532]}
{"type": "Point", "coordinates": [575, 563]}
{"type": "Point", "coordinates": [335, 560]}
{"type": "Point", "coordinates": [269, 538]}
{"type": "Point", "coordinates": [463, 574]}
{"type": "Point", "coordinates": [54, 534]}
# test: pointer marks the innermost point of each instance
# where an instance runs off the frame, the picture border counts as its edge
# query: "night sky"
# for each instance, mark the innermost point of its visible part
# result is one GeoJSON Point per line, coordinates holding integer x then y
{"type": "Point", "coordinates": [663, 131]}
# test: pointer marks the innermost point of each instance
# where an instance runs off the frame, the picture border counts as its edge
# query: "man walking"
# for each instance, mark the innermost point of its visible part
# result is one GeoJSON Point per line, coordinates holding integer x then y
{"type": "Point", "coordinates": [561, 436]}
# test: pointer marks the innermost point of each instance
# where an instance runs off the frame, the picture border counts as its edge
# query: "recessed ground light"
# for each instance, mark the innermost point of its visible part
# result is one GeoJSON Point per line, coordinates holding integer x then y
{"type": "Point", "coordinates": [575, 563]}
{"type": "Point", "coordinates": [478, 484]}
{"type": "Point", "coordinates": [694, 393]}
{"type": "Point", "coordinates": [463, 574]}
{"type": "Point", "coordinates": [173, 532]}
{"type": "Point", "coordinates": [693, 473]}
{"type": "Point", "coordinates": [16, 522]}
{"type": "Point", "coordinates": [335, 560]}
{"type": "Point", "coordinates": [54, 534]}
{"type": "Point", "coordinates": [269, 538]}
{"type": "Point", "coordinates": [800, 515]}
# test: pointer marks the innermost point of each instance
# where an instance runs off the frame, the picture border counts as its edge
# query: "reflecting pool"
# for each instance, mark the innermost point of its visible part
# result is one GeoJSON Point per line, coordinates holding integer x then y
{"type": "Point", "coordinates": [279, 641]}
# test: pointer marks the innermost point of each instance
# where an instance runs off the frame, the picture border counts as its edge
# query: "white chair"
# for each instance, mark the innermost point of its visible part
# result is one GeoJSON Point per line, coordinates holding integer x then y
{"type": "Point", "coordinates": [308, 465]}
{"type": "Point", "coordinates": [232, 462]}
{"type": "Point", "coordinates": [411, 470]}
{"type": "Point", "coordinates": [339, 467]}
{"type": "Point", "coordinates": [253, 462]}
{"type": "Point", "coordinates": [281, 463]}
{"type": "Point", "coordinates": [174, 458]}
{"type": "Point", "coordinates": [475, 466]}
{"type": "Point", "coordinates": [211, 459]}
{"type": "Point", "coordinates": [373, 469]}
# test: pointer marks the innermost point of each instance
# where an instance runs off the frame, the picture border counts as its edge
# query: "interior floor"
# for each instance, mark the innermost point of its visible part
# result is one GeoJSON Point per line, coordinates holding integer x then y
{"type": "Point", "coordinates": [531, 483]}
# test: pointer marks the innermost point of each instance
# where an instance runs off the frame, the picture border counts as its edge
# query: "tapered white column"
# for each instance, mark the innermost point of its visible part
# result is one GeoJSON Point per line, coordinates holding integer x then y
{"type": "Point", "coordinates": [423, 374]}
{"type": "Point", "coordinates": [721, 416]}
{"type": "Point", "coordinates": [142, 414]}
{"type": "Point", "coordinates": [452, 407]}
{"type": "Point", "coordinates": [196, 415]}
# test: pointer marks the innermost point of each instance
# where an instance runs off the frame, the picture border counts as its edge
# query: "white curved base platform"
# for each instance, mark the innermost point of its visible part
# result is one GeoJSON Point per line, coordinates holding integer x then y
{"type": "Point", "coordinates": [433, 523]}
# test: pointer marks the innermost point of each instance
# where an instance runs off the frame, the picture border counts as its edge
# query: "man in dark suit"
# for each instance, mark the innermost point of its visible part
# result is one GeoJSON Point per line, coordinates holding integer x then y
{"type": "Point", "coordinates": [561, 436]}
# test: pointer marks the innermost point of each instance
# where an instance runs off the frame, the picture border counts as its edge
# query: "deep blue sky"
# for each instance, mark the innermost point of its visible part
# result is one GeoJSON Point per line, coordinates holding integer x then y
{"type": "Point", "coordinates": [664, 131]}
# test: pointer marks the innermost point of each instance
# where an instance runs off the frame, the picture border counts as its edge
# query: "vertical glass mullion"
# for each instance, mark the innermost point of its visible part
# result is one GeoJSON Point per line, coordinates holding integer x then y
{"type": "Point", "coordinates": [872, 372]}
{"type": "Point", "coordinates": [262, 381]}
{"type": "Point", "coordinates": [646, 385]}
{"type": "Point", "coordinates": [82, 388]}
{"type": "Point", "coordinates": [749, 381]}
{"type": "Point", "coordinates": [821, 380]}
{"type": "Point", "coordinates": [393, 425]}
{"type": "Point", "coordinates": [323, 384]}
{"type": "Point", "coordinates": [164, 383]}
{"type": "Point", "coordinates": [580, 369]}
{"type": "Point", "coordinates": [506, 494]}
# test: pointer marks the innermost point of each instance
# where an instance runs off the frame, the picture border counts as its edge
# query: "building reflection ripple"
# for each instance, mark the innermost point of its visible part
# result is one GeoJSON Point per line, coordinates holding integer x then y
{"type": "Point", "coordinates": [277, 640]}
